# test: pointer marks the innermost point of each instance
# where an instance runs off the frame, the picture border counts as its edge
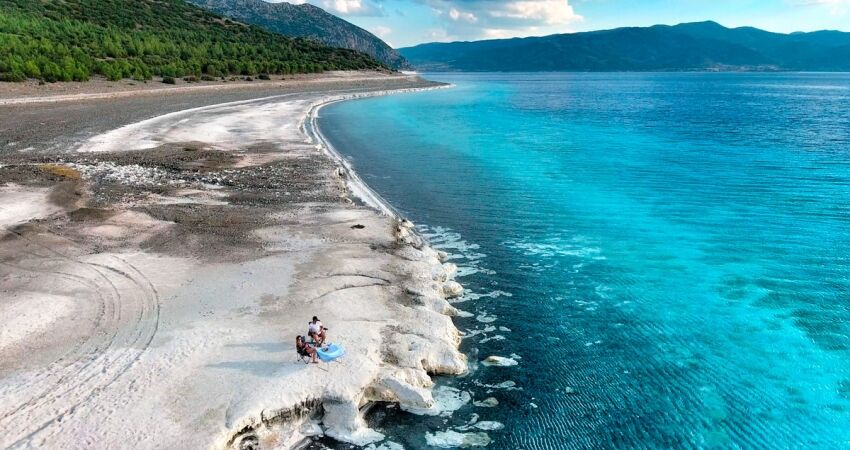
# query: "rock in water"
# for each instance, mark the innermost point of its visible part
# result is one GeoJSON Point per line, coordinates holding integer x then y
{"type": "Point", "coordinates": [451, 270]}
{"type": "Point", "coordinates": [489, 402]}
{"type": "Point", "coordinates": [499, 361]}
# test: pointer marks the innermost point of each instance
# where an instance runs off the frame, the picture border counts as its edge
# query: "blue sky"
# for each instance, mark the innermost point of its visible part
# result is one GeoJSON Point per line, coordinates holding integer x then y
{"type": "Point", "coordinates": [408, 22]}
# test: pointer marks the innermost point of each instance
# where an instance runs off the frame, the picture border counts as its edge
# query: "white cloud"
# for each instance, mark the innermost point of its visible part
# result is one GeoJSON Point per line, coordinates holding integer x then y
{"type": "Point", "coordinates": [472, 19]}
{"type": "Point", "coordinates": [475, 19]}
{"type": "Point", "coordinates": [346, 7]}
{"type": "Point", "coordinates": [835, 7]}
{"type": "Point", "coordinates": [456, 15]}
{"type": "Point", "coordinates": [550, 12]}
{"type": "Point", "coordinates": [381, 31]}
{"type": "Point", "coordinates": [438, 35]}
{"type": "Point", "coordinates": [825, 2]}
{"type": "Point", "coordinates": [501, 33]}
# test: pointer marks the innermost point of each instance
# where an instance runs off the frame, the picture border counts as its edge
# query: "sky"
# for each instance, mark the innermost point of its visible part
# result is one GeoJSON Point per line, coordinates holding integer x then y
{"type": "Point", "coordinates": [404, 23]}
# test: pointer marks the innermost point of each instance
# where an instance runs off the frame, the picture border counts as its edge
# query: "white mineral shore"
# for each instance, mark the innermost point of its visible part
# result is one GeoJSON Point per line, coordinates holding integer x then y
{"type": "Point", "coordinates": [19, 204]}
{"type": "Point", "coordinates": [128, 348]}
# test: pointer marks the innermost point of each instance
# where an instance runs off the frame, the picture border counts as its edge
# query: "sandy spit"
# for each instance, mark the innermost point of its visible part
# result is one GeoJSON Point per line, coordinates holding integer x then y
{"type": "Point", "coordinates": [160, 253]}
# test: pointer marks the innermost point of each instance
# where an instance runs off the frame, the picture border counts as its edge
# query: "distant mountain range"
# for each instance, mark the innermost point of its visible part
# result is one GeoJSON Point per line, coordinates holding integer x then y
{"type": "Point", "coordinates": [306, 21]}
{"type": "Point", "coordinates": [688, 46]}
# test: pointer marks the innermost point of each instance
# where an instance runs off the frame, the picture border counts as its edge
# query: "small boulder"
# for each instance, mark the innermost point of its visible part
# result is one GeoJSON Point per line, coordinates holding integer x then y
{"type": "Point", "coordinates": [499, 361]}
{"type": "Point", "coordinates": [451, 270]}
{"type": "Point", "coordinates": [488, 402]}
{"type": "Point", "coordinates": [452, 289]}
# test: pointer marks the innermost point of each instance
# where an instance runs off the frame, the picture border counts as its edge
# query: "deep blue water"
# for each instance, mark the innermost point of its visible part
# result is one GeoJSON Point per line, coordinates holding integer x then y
{"type": "Point", "coordinates": [670, 252]}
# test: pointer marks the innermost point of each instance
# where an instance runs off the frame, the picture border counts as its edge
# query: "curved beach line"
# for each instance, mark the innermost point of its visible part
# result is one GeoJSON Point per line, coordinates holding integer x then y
{"type": "Point", "coordinates": [58, 98]}
{"type": "Point", "coordinates": [310, 127]}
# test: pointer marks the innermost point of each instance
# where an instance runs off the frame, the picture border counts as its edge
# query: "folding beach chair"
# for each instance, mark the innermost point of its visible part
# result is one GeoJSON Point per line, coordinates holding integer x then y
{"type": "Point", "coordinates": [302, 357]}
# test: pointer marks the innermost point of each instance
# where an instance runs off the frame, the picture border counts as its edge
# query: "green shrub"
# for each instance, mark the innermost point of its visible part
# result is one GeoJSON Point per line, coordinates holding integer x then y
{"type": "Point", "coordinates": [264, 76]}
{"type": "Point", "coordinates": [13, 76]}
{"type": "Point", "coordinates": [169, 80]}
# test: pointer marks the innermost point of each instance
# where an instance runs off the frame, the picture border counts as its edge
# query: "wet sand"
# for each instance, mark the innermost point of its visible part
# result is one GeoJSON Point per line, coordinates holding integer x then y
{"type": "Point", "coordinates": [160, 252]}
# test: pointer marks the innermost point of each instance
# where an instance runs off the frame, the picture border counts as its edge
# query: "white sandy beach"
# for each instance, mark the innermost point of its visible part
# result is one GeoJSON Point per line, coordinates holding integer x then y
{"type": "Point", "coordinates": [128, 322]}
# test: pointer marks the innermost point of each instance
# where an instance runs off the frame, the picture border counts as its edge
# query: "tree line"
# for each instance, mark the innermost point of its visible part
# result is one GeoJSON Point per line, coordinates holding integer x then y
{"type": "Point", "coordinates": [71, 40]}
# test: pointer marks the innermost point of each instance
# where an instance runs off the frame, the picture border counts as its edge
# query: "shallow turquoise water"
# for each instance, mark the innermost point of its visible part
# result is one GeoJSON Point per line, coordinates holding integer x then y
{"type": "Point", "coordinates": [670, 252]}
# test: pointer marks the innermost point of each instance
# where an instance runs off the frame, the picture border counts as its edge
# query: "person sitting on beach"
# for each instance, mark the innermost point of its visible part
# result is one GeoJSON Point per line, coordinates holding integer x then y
{"type": "Point", "coordinates": [305, 349]}
{"type": "Point", "coordinates": [317, 331]}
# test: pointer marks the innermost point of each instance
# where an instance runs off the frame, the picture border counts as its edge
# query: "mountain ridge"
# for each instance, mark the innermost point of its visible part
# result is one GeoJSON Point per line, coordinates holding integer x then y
{"type": "Point", "coordinates": [705, 45]}
{"type": "Point", "coordinates": [306, 21]}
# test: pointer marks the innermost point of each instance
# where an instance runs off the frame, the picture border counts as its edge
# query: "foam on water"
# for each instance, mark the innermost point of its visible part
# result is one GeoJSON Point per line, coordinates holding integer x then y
{"type": "Point", "coordinates": [446, 401]}
{"type": "Point", "coordinates": [556, 247]}
{"type": "Point", "coordinates": [454, 439]}
{"type": "Point", "coordinates": [497, 337]}
{"type": "Point", "coordinates": [388, 445]}
{"type": "Point", "coordinates": [485, 318]}
{"type": "Point", "coordinates": [463, 253]}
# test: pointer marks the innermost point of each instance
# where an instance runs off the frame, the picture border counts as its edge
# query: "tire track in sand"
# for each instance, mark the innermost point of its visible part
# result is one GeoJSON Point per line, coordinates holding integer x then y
{"type": "Point", "coordinates": [126, 323]}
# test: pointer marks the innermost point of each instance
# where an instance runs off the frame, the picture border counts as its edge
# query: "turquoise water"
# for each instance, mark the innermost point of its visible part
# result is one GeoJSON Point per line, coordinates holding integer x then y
{"type": "Point", "coordinates": [666, 255]}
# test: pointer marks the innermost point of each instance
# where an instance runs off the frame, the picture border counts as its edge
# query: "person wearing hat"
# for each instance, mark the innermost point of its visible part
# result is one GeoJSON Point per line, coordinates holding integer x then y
{"type": "Point", "coordinates": [317, 331]}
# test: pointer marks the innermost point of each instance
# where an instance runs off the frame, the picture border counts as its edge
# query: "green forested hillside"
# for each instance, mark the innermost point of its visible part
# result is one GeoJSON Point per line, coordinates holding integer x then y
{"type": "Point", "coordinates": [307, 21]}
{"type": "Point", "coordinates": [65, 40]}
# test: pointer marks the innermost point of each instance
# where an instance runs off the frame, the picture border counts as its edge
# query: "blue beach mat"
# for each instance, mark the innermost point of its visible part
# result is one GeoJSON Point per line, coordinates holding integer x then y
{"type": "Point", "coordinates": [331, 352]}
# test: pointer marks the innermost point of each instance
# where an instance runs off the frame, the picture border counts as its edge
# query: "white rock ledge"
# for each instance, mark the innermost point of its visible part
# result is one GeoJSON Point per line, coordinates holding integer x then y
{"type": "Point", "coordinates": [419, 340]}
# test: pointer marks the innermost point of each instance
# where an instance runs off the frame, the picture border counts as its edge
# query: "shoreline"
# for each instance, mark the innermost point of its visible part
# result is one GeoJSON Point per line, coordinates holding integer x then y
{"type": "Point", "coordinates": [29, 93]}
{"type": "Point", "coordinates": [359, 188]}
{"type": "Point", "coordinates": [192, 204]}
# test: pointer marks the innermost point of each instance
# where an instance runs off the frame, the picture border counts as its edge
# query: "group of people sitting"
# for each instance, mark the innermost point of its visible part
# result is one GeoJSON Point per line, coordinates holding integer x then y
{"type": "Point", "coordinates": [318, 333]}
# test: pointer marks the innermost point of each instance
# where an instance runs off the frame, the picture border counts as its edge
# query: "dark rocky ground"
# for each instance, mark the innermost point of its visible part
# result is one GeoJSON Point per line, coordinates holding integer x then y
{"type": "Point", "coordinates": [56, 127]}
{"type": "Point", "coordinates": [37, 143]}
